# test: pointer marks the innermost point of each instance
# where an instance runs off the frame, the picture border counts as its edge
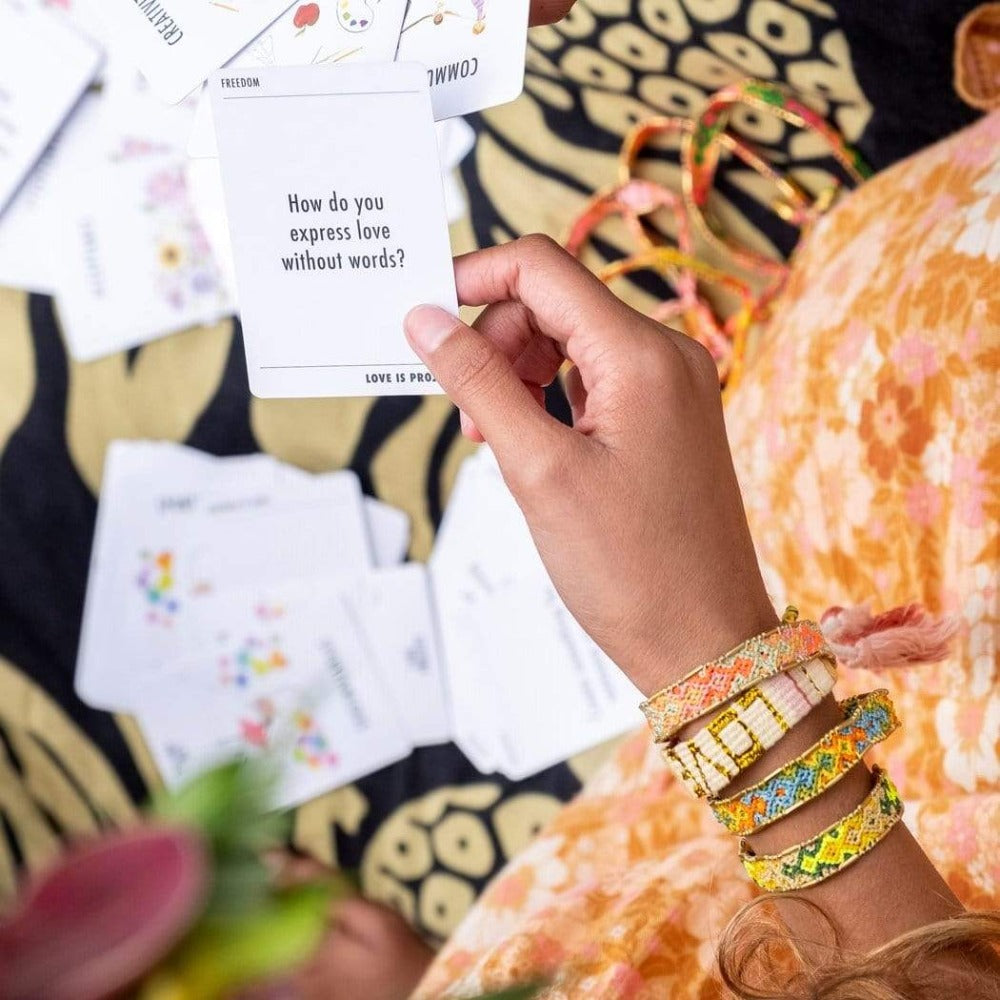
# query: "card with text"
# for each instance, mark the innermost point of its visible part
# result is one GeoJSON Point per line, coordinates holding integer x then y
{"type": "Point", "coordinates": [177, 43]}
{"type": "Point", "coordinates": [333, 241]}
{"type": "Point", "coordinates": [473, 51]}
{"type": "Point", "coordinates": [137, 263]}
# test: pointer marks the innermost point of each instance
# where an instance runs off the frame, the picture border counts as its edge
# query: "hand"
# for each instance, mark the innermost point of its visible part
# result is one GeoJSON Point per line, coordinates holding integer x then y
{"type": "Point", "coordinates": [635, 510]}
{"type": "Point", "coordinates": [370, 953]}
{"type": "Point", "coordinates": [549, 11]}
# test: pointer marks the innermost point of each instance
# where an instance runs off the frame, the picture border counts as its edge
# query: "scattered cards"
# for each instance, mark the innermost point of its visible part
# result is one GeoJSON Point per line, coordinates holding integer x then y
{"type": "Point", "coordinates": [333, 242]}
{"type": "Point", "coordinates": [241, 606]}
{"type": "Point", "coordinates": [132, 239]}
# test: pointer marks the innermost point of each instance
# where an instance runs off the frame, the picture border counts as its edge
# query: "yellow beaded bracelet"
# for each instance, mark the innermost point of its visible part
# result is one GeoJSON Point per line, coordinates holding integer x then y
{"type": "Point", "coordinates": [837, 847]}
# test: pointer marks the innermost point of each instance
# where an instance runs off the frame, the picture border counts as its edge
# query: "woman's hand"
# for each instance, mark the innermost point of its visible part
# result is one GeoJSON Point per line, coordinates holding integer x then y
{"type": "Point", "coordinates": [635, 510]}
{"type": "Point", "coordinates": [548, 11]}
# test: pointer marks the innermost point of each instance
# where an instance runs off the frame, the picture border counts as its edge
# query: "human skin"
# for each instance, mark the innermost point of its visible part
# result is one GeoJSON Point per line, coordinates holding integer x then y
{"type": "Point", "coordinates": [547, 11]}
{"type": "Point", "coordinates": [637, 514]}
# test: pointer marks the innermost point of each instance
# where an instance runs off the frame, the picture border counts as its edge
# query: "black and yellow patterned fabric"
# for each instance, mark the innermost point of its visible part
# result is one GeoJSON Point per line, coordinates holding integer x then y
{"type": "Point", "coordinates": [426, 833]}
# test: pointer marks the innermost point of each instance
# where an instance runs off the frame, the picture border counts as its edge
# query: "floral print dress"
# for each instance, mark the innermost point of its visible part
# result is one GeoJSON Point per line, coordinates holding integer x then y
{"type": "Point", "coordinates": [866, 434]}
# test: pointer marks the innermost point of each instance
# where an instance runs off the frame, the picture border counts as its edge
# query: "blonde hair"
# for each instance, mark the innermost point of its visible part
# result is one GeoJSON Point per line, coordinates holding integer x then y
{"type": "Point", "coordinates": [941, 961]}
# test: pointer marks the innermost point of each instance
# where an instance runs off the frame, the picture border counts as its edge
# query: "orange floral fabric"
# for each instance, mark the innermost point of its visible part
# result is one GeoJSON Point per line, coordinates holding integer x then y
{"type": "Point", "coordinates": [866, 434]}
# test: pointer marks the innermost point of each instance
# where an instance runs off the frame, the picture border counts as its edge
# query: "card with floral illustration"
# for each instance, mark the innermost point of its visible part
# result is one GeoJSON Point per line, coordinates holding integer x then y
{"type": "Point", "coordinates": [473, 51]}
{"type": "Point", "coordinates": [284, 675]}
{"type": "Point", "coordinates": [137, 262]}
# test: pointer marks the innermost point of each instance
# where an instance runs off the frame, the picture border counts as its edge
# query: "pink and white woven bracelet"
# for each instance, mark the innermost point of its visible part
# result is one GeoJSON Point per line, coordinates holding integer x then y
{"type": "Point", "coordinates": [743, 731]}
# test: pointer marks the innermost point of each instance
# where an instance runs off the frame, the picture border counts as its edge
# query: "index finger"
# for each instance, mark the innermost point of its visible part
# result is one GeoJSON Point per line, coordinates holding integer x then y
{"type": "Point", "coordinates": [567, 303]}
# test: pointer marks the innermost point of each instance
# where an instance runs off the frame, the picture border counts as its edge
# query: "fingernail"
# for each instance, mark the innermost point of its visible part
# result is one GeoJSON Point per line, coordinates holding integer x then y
{"type": "Point", "coordinates": [428, 327]}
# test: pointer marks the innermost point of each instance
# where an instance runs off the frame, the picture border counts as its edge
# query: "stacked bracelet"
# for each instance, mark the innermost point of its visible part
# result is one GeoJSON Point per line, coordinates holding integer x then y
{"type": "Point", "coordinates": [759, 691]}
{"type": "Point", "coordinates": [742, 732]}
{"type": "Point", "coordinates": [869, 719]}
{"type": "Point", "coordinates": [713, 684]}
{"type": "Point", "coordinates": [834, 849]}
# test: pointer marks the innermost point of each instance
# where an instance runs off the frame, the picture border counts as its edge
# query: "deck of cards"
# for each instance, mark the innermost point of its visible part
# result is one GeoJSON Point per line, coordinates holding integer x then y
{"type": "Point", "coordinates": [241, 607]}
{"type": "Point", "coordinates": [309, 183]}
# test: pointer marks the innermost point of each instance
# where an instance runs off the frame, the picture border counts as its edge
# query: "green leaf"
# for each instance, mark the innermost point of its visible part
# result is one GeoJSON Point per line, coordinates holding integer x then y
{"type": "Point", "coordinates": [222, 955]}
{"type": "Point", "coordinates": [229, 805]}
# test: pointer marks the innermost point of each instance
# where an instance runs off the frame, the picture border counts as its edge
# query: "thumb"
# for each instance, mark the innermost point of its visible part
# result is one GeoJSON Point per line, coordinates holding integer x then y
{"type": "Point", "coordinates": [483, 384]}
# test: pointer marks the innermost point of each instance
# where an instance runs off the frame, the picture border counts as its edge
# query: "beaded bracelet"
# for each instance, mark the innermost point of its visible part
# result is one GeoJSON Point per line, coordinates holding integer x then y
{"type": "Point", "coordinates": [714, 683]}
{"type": "Point", "coordinates": [834, 849]}
{"type": "Point", "coordinates": [869, 719]}
{"type": "Point", "coordinates": [749, 726]}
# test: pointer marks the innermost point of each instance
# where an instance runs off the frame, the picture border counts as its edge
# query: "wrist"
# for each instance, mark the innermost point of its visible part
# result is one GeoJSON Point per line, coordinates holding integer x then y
{"type": "Point", "coordinates": [700, 635]}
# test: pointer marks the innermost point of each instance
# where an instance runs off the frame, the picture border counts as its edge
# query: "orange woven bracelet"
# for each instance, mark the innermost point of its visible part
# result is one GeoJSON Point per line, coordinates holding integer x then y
{"type": "Point", "coordinates": [714, 683]}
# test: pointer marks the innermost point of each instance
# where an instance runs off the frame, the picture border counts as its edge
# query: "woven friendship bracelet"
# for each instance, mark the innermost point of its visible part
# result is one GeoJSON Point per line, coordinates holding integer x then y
{"type": "Point", "coordinates": [835, 848]}
{"type": "Point", "coordinates": [869, 719]}
{"type": "Point", "coordinates": [743, 731]}
{"type": "Point", "coordinates": [714, 683]}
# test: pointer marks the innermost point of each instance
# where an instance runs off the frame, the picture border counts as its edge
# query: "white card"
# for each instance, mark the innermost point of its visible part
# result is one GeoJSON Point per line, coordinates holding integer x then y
{"type": "Point", "coordinates": [29, 256]}
{"type": "Point", "coordinates": [559, 694]}
{"type": "Point", "coordinates": [473, 50]}
{"type": "Point", "coordinates": [389, 530]}
{"type": "Point", "coordinates": [137, 263]}
{"type": "Point", "coordinates": [177, 43]}
{"type": "Point", "coordinates": [44, 68]}
{"type": "Point", "coordinates": [460, 584]}
{"type": "Point", "coordinates": [312, 35]}
{"type": "Point", "coordinates": [333, 242]}
{"type": "Point", "coordinates": [174, 527]}
{"type": "Point", "coordinates": [283, 672]}
{"type": "Point", "coordinates": [393, 608]}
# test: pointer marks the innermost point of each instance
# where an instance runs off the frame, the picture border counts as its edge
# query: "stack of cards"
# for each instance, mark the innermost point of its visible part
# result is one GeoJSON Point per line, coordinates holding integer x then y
{"type": "Point", "coordinates": [239, 606]}
{"type": "Point", "coordinates": [528, 688]}
{"type": "Point", "coordinates": [242, 606]}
